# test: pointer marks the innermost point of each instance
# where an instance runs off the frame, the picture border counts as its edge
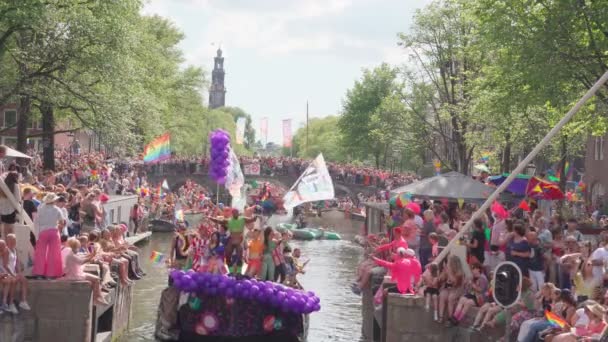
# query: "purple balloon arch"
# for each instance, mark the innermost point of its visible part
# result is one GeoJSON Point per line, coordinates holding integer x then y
{"type": "Point", "coordinates": [220, 155]}
{"type": "Point", "coordinates": [267, 293]}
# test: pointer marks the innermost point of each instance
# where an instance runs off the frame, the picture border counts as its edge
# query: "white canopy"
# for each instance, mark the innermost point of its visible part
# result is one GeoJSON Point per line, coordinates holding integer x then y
{"type": "Point", "coordinates": [12, 153]}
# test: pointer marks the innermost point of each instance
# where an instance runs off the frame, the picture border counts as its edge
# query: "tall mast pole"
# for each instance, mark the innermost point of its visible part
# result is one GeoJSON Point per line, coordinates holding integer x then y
{"type": "Point", "coordinates": [307, 127]}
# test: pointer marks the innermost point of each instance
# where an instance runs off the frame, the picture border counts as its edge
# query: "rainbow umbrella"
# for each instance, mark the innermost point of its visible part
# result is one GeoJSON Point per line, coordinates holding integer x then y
{"type": "Point", "coordinates": [393, 201]}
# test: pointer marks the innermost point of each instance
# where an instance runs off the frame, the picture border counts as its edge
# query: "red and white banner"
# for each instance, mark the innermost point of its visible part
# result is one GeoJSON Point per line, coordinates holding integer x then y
{"type": "Point", "coordinates": [264, 128]}
{"type": "Point", "coordinates": [287, 133]}
{"type": "Point", "coordinates": [252, 169]}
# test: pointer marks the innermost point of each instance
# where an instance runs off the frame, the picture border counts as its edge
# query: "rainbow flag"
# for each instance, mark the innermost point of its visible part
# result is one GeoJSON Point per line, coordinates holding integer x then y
{"type": "Point", "coordinates": [157, 257]}
{"type": "Point", "coordinates": [554, 319]}
{"type": "Point", "coordinates": [485, 156]}
{"type": "Point", "coordinates": [568, 170]}
{"type": "Point", "coordinates": [158, 150]}
{"type": "Point", "coordinates": [179, 215]}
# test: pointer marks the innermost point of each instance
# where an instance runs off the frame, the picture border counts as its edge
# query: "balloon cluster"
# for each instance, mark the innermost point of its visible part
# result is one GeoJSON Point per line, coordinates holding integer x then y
{"type": "Point", "coordinates": [220, 155]}
{"type": "Point", "coordinates": [267, 293]}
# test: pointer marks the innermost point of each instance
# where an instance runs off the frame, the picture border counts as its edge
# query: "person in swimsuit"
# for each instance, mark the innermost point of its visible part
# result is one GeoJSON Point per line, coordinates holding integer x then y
{"type": "Point", "coordinates": [178, 255]}
{"type": "Point", "coordinates": [236, 228]}
{"type": "Point", "coordinates": [254, 253]}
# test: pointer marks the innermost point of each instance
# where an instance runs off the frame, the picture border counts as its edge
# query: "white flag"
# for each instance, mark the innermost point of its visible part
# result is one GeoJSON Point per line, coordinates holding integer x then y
{"type": "Point", "coordinates": [314, 184]}
{"type": "Point", "coordinates": [165, 185]}
{"type": "Point", "coordinates": [240, 131]}
{"type": "Point", "coordinates": [235, 181]}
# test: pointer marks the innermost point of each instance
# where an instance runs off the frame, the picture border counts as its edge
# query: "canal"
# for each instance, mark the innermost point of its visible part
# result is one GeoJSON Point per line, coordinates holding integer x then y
{"type": "Point", "coordinates": [329, 273]}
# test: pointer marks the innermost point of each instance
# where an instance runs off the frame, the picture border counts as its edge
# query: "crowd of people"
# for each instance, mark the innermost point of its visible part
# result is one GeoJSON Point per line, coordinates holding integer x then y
{"type": "Point", "coordinates": [564, 272]}
{"type": "Point", "coordinates": [75, 239]}
{"type": "Point", "coordinates": [225, 240]}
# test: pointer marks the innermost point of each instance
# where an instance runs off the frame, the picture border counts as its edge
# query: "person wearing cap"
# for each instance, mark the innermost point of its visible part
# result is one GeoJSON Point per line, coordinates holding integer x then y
{"type": "Point", "coordinates": [403, 269]}
{"type": "Point", "coordinates": [47, 256]}
{"type": "Point", "coordinates": [236, 228]}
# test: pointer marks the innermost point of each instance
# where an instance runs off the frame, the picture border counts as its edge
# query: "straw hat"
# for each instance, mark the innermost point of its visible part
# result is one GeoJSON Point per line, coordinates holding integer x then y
{"type": "Point", "coordinates": [51, 197]}
{"type": "Point", "coordinates": [596, 309]}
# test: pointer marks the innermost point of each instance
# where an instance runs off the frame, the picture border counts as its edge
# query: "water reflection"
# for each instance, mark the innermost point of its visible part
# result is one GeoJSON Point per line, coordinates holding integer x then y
{"type": "Point", "coordinates": [329, 273]}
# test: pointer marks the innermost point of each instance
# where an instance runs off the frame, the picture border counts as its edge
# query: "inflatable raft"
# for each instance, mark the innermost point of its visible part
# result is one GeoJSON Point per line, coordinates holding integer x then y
{"type": "Point", "coordinates": [308, 234]}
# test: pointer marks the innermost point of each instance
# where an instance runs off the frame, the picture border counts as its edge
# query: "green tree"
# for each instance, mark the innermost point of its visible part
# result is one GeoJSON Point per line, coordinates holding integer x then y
{"type": "Point", "coordinates": [370, 118]}
{"type": "Point", "coordinates": [323, 137]}
{"type": "Point", "coordinates": [238, 113]}
{"type": "Point", "coordinates": [447, 59]}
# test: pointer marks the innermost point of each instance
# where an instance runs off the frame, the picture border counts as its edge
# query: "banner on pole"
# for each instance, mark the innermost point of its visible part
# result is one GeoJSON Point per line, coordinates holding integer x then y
{"type": "Point", "coordinates": [314, 184]}
{"type": "Point", "coordinates": [252, 169]}
{"type": "Point", "coordinates": [264, 128]}
{"type": "Point", "coordinates": [240, 131]}
{"type": "Point", "coordinates": [287, 133]}
{"type": "Point", "coordinates": [235, 181]}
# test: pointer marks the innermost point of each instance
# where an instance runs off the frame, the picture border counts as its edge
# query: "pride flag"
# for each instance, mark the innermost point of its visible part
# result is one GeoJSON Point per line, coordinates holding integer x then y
{"type": "Point", "coordinates": [157, 257]}
{"type": "Point", "coordinates": [158, 150]}
{"type": "Point", "coordinates": [554, 319]}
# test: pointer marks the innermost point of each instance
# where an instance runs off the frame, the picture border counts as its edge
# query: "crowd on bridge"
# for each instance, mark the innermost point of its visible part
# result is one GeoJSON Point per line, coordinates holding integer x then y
{"type": "Point", "coordinates": [564, 271]}
{"type": "Point", "coordinates": [270, 166]}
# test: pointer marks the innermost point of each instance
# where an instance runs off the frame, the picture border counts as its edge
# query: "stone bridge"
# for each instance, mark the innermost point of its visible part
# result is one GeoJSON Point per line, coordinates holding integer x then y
{"type": "Point", "coordinates": [177, 178]}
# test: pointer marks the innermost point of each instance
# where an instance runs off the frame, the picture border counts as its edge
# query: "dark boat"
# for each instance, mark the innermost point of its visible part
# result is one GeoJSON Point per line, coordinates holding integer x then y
{"type": "Point", "coordinates": [214, 317]}
{"type": "Point", "coordinates": [161, 226]}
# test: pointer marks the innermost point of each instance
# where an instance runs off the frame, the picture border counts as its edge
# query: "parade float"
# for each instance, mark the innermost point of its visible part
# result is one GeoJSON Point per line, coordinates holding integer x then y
{"type": "Point", "coordinates": [216, 307]}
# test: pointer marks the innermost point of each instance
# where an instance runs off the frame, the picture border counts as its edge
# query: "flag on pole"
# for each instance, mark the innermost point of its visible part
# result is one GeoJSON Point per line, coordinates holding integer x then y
{"type": "Point", "coordinates": [235, 182]}
{"type": "Point", "coordinates": [264, 128]}
{"type": "Point", "coordinates": [157, 257]}
{"type": "Point", "coordinates": [165, 185]}
{"type": "Point", "coordinates": [158, 149]}
{"type": "Point", "coordinates": [240, 131]}
{"type": "Point", "coordinates": [287, 133]}
{"type": "Point", "coordinates": [179, 213]}
{"type": "Point", "coordinates": [314, 184]}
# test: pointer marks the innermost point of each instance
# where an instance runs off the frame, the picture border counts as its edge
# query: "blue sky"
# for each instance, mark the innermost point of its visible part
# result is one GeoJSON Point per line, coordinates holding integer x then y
{"type": "Point", "coordinates": [281, 53]}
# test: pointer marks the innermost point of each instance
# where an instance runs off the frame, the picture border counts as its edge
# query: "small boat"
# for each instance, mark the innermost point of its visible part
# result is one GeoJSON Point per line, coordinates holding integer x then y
{"type": "Point", "coordinates": [161, 226]}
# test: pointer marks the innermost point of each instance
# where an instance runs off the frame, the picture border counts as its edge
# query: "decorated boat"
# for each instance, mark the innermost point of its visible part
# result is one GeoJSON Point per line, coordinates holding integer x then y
{"type": "Point", "coordinates": [213, 307]}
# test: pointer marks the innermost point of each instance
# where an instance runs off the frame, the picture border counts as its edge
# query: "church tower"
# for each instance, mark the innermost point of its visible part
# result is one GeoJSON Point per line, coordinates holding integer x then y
{"type": "Point", "coordinates": [217, 92]}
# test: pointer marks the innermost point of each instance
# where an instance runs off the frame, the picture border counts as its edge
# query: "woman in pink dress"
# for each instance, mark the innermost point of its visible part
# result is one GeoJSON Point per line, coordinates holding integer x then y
{"type": "Point", "coordinates": [74, 270]}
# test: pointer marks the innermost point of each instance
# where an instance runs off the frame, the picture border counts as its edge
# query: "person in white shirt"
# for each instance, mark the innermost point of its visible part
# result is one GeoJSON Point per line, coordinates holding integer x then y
{"type": "Point", "coordinates": [47, 257]}
{"type": "Point", "coordinates": [599, 258]}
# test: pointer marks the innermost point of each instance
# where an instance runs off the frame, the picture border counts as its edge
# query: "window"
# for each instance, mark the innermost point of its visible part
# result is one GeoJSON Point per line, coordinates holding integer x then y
{"type": "Point", "coordinates": [119, 219]}
{"type": "Point", "coordinates": [10, 142]}
{"type": "Point", "coordinates": [10, 118]}
{"type": "Point", "coordinates": [112, 216]}
{"type": "Point", "coordinates": [599, 148]}
{"type": "Point", "coordinates": [35, 124]}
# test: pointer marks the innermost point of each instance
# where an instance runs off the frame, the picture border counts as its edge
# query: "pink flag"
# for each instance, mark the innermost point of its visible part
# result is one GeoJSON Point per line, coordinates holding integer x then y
{"type": "Point", "coordinates": [287, 133]}
{"type": "Point", "coordinates": [264, 128]}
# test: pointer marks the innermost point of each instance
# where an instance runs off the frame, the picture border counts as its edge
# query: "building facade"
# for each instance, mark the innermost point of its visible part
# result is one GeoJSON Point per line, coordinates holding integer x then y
{"type": "Point", "coordinates": [217, 91]}
{"type": "Point", "coordinates": [8, 128]}
{"type": "Point", "coordinates": [596, 170]}
{"type": "Point", "coordinates": [9, 116]}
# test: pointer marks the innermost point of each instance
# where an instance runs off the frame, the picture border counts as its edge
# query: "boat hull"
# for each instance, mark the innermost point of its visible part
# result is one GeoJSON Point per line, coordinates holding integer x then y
{"type": "Point", "coordinates": [234, 320]}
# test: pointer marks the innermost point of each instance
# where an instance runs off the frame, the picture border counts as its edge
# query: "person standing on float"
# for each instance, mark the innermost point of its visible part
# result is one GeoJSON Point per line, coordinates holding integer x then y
{"type": "Point", "coordinates": [236, 227]}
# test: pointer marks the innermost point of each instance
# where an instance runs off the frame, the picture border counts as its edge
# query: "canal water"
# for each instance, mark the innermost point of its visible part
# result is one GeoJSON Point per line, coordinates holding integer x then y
{"type": "Point", "coordinates": [329, 273]}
